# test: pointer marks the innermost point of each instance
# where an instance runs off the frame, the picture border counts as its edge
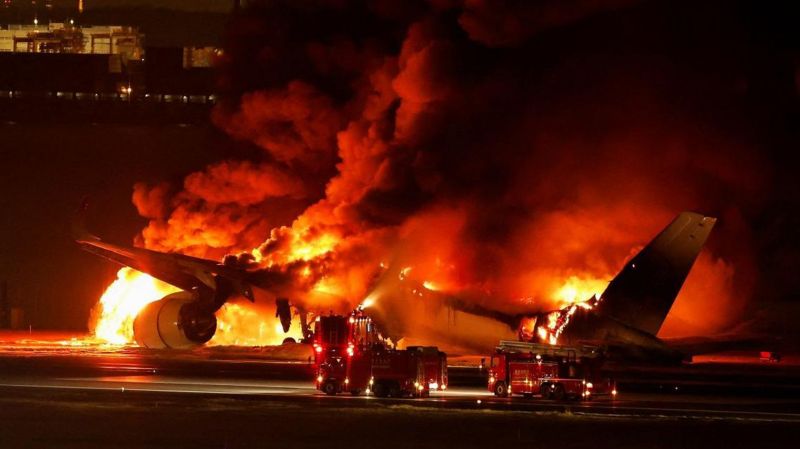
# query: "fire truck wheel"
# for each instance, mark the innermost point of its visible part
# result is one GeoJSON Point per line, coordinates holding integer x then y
{"type": "Point", "coordinates": [500, 389]}
{"type": "Point", "coordinates": [547, 393]}
{"type": "Point", "coordinates": [355, 392]}
{"type": "Point", "coordinates": [329, 388]}
{"type": "Point", "coordinates": [380, 390]}
{"type": "Point", "coordinates": [558, 393]}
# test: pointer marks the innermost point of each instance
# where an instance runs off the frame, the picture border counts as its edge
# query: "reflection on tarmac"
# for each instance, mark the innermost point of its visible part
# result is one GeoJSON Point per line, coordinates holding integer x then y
{"type": "Point", "coordinates": [72, 363]}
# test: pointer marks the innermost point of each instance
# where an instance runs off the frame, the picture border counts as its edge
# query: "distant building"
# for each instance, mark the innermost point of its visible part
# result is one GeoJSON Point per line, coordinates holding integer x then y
{"type": "Point", "coordinates": [69, 62]}
{"type": "Point", "coordinates": [67, 38]}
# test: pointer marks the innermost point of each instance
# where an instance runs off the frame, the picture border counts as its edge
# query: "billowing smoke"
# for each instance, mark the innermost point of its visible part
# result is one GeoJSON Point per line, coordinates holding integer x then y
{"type": "Point", "coordinates": [506, 150]}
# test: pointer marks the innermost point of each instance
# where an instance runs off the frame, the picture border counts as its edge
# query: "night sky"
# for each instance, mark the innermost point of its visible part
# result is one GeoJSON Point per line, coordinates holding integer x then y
{"type": "Point", "coordinates": [640, 109]}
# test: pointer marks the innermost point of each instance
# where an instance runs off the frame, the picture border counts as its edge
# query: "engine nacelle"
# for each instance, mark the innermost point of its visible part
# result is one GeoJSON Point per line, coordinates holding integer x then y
{"type": "Point", "coordinates": [174, 321]}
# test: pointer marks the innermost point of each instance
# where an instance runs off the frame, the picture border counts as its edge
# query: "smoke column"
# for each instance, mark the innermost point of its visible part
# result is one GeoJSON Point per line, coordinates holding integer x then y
{"type": "Point", "coordinates": [502, 150]}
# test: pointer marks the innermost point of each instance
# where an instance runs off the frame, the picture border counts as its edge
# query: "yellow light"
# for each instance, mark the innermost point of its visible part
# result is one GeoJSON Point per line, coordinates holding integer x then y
{"type": "Point", "coordinates": [589, 385]}
{"type": "Point", "coordinates": [430, 285]}
{"type": "Point", "coordinates": [368, 302]}
{"type": "Point", "coordinates": [444, 387]}
{"type": "Point", "coordinates": [613, 392]}
{"type": "Point", "coordinates": [491, 380]}
{"type": "Point", "coordinates": [346, 381]}
{"type": "Point", "coordinates": [319, 379]}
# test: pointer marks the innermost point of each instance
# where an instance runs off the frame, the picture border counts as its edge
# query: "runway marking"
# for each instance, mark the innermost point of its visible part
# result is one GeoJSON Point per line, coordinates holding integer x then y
{"type": "Point", "coordinates": [150, 390]}
{"type": "Point", "coordinates": [601, 411]}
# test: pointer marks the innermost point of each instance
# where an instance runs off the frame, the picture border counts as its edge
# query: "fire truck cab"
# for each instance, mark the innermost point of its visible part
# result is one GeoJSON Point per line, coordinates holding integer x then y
{"type": "Point", "coordinates": [331, 338]}
{"type": "Point", "coordinates": [552, 372]}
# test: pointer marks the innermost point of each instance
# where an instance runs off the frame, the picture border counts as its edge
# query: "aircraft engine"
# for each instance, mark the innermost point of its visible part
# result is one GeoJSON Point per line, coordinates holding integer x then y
{"type": "Point", "coordinates": [174, 321]}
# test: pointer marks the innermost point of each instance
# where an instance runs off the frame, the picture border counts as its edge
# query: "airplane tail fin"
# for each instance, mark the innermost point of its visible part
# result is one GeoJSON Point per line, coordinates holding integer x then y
{"type": "Point", "coordinates": [642, 293]}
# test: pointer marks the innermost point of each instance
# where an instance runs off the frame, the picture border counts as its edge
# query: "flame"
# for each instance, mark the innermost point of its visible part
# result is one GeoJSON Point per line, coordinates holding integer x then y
{"type": "Point", "coordinates": [430, 285]}
{"type": "Point", "coordinates": [311, 249]}
{"type": "Point", "coordinates": [576, 290]}
{"type": "Point", "coordinates": [122, 301]}
{"type": "Point", "coordinates": [558, 320]}
{"type": "Point", "coordinates": [237, 324]}
{"type": "Point", "coordinates": [242, 324]}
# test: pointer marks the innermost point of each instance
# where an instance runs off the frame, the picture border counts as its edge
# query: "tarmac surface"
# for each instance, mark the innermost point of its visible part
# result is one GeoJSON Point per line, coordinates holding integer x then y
{"type": "Point", "coordinates": [67, 393]}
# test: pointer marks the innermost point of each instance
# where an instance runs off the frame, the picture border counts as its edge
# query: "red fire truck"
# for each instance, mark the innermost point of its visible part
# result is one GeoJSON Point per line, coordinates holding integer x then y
{"type": "Point", "coordinates": [549, 371]}
{"type": "Point", "coordinates": [350, 356]}
{"type": "Point", "coordinates": [414, 372]}
{"type": "Point", "coordinates": [331, 337]}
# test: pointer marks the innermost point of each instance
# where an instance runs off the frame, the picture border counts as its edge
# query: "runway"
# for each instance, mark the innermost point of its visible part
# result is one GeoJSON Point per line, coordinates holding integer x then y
{"type": "Point", "coordinates": [635, 405]}
{"type": "Point", "coordinates": [70, 393]}
{"type": "Point", "coordinates": [239, 372]}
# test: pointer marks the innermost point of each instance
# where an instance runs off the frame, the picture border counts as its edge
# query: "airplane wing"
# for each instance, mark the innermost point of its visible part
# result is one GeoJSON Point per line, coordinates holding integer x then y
{"type": "Point", "coordinates": [185, 272]}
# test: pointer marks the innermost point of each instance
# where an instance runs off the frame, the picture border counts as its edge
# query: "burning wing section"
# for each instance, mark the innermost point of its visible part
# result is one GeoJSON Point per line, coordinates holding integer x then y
{"type": "Point", "coordinates": [182, 319]}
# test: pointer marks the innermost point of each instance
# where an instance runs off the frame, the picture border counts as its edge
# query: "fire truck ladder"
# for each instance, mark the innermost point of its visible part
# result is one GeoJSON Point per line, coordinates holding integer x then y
{"type": "Point", "coordinates": [545, 350]}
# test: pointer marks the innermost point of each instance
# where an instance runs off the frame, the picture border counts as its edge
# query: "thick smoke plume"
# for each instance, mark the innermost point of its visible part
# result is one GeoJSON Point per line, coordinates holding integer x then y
{"type": "Point", "coordinates": [512, 151]}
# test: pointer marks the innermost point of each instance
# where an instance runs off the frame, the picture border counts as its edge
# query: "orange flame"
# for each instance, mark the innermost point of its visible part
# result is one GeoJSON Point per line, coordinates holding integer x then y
{"type": "Point", "coordinates": [578, 290]}
{"type": "Point", "coordinates": [237, 324]}
{"type": "Point", "coordinates": [574, 293]}
{"type": "Point", "coordinates": [122, 301]}
{"type": "Point", "coordinates": [241, 324]}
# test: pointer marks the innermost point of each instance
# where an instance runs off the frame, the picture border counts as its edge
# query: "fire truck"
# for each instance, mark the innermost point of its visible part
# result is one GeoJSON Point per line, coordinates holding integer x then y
{"type": "Point", "coordinates": [410, 372]}
{"type": "Point", "coordinates": [549, 371]}
{"type": "Point", "coordinates": [362, 363]}
{"type": "Point", "coordinates": [331, 338]}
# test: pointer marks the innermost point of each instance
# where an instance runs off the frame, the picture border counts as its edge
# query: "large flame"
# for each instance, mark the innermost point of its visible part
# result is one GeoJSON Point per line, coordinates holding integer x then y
{"type": "Point", "coordinates": [122, 301]}
{"type": "Point", "coordinates": [577, 289]}
{"type": "Point", "coordinates": [575, 292]}
{"type": "Point", "coordinates": [237, 323]}
{"type": "Point", "coordinates": [242, 324]}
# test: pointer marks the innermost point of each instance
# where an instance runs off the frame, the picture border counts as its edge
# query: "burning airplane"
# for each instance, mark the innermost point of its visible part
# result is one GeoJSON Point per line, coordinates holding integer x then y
{"type": "Point", "coordinates": [626, 317]}
{"type": "Point", "coordinates": [439, 175]}
{"type": "Point", "coordinates": [627, 314]}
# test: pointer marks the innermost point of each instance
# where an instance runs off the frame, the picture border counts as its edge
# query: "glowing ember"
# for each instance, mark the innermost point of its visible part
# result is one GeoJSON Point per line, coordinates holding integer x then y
{"type": "Point", "coordinates": [122, 301]}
